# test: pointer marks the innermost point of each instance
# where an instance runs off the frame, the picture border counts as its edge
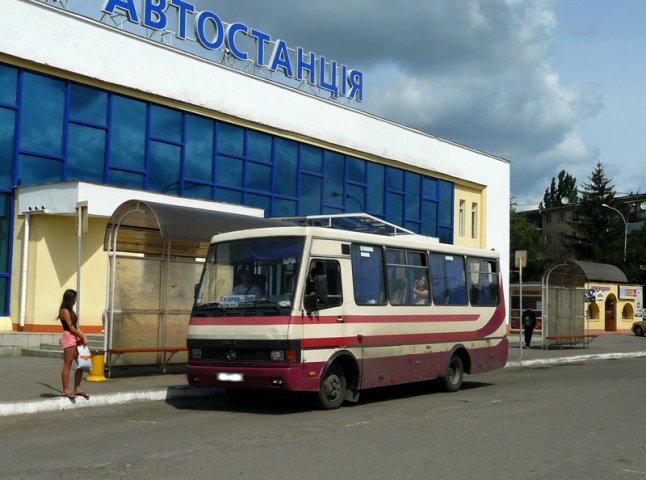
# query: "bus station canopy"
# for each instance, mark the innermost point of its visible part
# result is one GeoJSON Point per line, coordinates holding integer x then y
{"type": "Point", "coordinates": [152, 228]}
{"type": "Point", "coordinates": [572, 273]}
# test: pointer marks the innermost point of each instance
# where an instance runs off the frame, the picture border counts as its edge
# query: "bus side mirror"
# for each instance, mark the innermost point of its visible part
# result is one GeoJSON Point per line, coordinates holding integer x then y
{"type": "Point", "coordinates": [318, 296]}
{"type": "Point", "coordinates": [310, 302]}
{"type": "Point", "coordinates": [196, 290]}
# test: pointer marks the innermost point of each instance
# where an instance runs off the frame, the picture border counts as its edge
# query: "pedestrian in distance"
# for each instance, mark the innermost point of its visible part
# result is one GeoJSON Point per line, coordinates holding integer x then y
{"type": "Point", "coordinates": [529, 323]}
{"type": "Point", "coordinates": [72, 336]}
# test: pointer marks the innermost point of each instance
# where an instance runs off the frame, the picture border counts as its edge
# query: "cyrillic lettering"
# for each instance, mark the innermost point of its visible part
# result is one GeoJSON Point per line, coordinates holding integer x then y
{"type": "Point", "coordinates": [343, 82]}
{"type": "Point", "coordinates": [355, 80]}
{"type": "Point", "coordinates": [331, 87]}
{"type": "Point", "coordinates": [280, 58]}
{"type": "Point", "coordinates": [154, 14]}
{"type": "Point", "coordinates": [128, 6]}
{"type": "Point", "coordinates": [230, 39]}
{"type": "Point", "coordinates": [200, 24]}
{"type": "Point", "coordinates": [182, 9]}
{"type": "Point", "coordinates": [302, 65]}
{"type": "Point", "coordinates": [261, 40]}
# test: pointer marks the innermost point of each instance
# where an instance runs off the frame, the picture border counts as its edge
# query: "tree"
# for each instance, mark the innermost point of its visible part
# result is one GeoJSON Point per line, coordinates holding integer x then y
{"type": "Point", "coordinates": [555, 193]}
{"type": "Point", "coordinates": [525, 236]}
{"type": "Point", "coordinates": [599, 231]}
{"type": "Point", "coordinates": [635, 269]}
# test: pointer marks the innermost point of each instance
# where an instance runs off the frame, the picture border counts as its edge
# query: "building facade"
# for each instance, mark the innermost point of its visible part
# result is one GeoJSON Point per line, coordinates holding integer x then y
{"type": "Point", "coordinates": [115, 116]}
{"type": "Point", "coordinates": [557, 224]}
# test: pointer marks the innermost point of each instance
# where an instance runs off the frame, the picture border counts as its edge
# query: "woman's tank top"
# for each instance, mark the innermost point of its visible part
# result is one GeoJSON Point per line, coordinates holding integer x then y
{"type": "Point", "coordinates": [74, 321]}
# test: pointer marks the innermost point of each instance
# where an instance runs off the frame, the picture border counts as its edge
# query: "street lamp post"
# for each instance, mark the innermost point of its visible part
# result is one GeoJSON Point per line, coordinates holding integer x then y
{"type": "Point", "coordinates": [625, 226]}
{"type": "Point", "coordinates": [351, 197]}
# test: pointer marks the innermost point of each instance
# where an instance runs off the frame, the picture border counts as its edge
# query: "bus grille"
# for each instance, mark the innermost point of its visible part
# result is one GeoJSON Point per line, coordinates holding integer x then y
{"type": "Point", "coordinates": [241, 355]}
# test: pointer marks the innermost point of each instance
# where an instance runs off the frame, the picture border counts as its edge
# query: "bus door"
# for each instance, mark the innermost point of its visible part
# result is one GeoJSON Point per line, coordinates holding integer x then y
{"type": "Point", "coordinates": [324, 324]}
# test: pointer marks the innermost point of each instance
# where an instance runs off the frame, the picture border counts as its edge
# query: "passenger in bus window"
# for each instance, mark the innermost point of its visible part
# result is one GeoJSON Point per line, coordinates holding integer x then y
{"type": "Point", "coordinates": [247, 287]}
{"type": "Point", "coordinates": [420, 289]}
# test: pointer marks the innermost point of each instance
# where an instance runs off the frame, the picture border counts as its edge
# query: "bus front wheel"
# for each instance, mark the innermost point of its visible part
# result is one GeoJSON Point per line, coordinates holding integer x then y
{"type": "Point", "coordinates": [452, 381]}
{"type": "Point", "coordinates": [333, 389]}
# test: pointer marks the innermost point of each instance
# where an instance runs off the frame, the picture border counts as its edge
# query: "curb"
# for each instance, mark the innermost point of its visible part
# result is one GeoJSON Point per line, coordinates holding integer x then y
{"type": "Point", "coordinates": [62, 403]}
{"type": "Point", "coordinates": [572, 359]}
{"type": "Point", "coordinates": [180, 392]}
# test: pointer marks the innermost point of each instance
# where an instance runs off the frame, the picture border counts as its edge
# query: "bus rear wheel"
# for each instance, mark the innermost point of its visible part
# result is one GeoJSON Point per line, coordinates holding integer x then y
{"type": "Point", "coordinates": [452, 381]}
{"type": "Point", "coordinates": [333, 389]}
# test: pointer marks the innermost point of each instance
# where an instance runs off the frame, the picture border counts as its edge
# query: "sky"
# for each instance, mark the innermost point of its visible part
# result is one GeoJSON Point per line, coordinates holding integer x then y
{"type": "Point", "coordinates": [545, 84]}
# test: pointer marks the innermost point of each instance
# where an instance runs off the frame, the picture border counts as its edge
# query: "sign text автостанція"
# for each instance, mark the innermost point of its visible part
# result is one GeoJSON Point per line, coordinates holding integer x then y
{"type": "Point", "coordinates": [211, 33]}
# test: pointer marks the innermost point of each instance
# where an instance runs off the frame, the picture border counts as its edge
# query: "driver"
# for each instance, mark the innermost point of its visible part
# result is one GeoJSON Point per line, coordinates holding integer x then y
{"type": "Point", "coordinates": [247, 287]}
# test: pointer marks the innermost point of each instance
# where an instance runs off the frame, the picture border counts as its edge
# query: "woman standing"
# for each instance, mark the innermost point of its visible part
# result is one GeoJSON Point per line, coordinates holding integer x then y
{"type": "Point", "coordinates": [72, 336]}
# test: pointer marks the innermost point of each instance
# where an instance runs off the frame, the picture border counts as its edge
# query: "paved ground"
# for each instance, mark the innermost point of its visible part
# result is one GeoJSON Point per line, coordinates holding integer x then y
{"type": "Point", "coordinates": [33, 385]}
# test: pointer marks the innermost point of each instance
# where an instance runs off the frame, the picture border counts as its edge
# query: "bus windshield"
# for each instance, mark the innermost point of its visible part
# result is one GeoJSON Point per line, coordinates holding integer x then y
{"type": "Point", "coordinates": [256, 274]}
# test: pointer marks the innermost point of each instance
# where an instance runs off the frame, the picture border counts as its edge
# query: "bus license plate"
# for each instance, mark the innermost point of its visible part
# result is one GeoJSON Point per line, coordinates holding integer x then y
{"type": "Point", "coordinates": [230, 377]}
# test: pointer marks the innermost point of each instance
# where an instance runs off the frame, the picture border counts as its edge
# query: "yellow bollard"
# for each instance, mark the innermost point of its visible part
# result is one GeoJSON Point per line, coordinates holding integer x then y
{"type": "Point", "coordinates": [98, 365]}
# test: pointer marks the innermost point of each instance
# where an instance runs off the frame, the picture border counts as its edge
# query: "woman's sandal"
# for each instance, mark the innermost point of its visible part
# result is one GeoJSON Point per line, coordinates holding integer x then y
{"type": "Point", "coordinates": [71, 397]}
{"type": "Point", "coordinates": [83, 394]}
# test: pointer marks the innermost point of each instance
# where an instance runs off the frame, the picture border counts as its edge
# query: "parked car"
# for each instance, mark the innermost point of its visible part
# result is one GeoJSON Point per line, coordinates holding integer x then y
{"type": "Point", "coordinates": [639, 328]}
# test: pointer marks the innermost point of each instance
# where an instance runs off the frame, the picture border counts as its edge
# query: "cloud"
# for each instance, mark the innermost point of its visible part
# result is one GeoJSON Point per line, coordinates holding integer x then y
{"type": "Point", "coordinates": [476, 72]}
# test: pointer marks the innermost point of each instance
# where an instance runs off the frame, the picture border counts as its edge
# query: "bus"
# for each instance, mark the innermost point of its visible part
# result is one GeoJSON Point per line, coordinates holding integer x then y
{"type": "Point", "coordinates": [342, 303]}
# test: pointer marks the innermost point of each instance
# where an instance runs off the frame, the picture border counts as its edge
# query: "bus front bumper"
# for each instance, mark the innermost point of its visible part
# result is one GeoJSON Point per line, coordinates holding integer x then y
{"type": "Point", "coordinates": [291, 377]}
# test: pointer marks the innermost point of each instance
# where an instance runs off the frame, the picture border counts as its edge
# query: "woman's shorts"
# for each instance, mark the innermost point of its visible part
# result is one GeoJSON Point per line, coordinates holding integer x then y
{"type": "Point", "coordinates": [68, 340]}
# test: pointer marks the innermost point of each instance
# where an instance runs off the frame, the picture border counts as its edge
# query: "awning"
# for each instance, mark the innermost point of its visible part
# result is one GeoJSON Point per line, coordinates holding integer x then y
{"type": "Point", "coordinates": [154, 228]}
{"type": "Point", "coordinates": [572, 273]}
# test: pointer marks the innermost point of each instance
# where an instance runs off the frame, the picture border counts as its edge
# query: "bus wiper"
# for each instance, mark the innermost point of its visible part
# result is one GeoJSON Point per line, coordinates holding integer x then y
{"type": "Point", "coordinates": [264, 301]}
{"type": "Point", "coordinates": [208, 305]}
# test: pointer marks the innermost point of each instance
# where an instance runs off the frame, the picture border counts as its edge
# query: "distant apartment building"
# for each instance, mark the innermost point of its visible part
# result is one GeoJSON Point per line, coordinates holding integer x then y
{"type": "Point", "coordinates": [556, 224]}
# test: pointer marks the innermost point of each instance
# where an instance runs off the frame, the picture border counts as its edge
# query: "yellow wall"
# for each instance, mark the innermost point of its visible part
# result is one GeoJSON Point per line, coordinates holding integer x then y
{"type": "Point", "coordinates": [594, 325]}
{"type": "Point", "coordinates": [53, 255]}
{"type": "Point", "coordinates": [608, 290]}
{"type": "Point", "coordinates": [469, 196]}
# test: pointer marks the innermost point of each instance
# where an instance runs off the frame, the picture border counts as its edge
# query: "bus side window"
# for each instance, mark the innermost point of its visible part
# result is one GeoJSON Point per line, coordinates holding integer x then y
{"type": "Point", "coordinates": [324, 282]}
{"type": "Point", "coordinates": [448, 282]}
{"type": "Point", "coordinates": [368, 275]}
{"type": "Point", "coordinates": [482, 277]}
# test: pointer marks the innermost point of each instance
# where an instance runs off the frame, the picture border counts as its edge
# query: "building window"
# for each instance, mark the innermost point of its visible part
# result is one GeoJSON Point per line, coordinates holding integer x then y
{"type": "Point", "coordinates": [562, 217]}
{"type": "Point", "coordinates": [627, 313]}
{"type": "Point", "coordinates": [474, 220]}
{"type": "Point", "coordinates": [461, 219]}
{"type": "Point", "coordinates": [54, 129]}
{"type": "Point", "coordinates": [548, 218]}
{"type": "Point", "coordinates": [103, 137]}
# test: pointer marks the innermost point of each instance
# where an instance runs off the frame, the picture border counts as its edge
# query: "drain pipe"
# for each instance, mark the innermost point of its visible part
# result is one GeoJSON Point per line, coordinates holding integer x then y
{"type": "Point", "coordinates": [23, 270]}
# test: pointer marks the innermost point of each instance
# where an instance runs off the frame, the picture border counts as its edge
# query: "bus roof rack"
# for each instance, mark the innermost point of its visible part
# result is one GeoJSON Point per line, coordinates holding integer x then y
{"type": "Point", "coordinates": [356, 222]}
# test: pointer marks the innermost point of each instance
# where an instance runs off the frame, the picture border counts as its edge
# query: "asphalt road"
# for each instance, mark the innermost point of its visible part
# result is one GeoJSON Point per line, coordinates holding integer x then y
{"type": "Point", "coordinates": [577, 421]}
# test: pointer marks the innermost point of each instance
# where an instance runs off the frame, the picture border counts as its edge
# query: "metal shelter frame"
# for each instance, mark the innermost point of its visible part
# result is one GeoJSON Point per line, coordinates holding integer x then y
{"type": "Point", "coordinates": [563, 284]}
{"type": "Point", "coordinates": [171, 238]}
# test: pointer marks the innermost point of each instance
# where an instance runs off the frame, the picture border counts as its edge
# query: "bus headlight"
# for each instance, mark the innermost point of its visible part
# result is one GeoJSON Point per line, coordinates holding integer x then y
{"type": "Point", "coordinates": [282, 355]}
{"type": "Point", "coordinates": [277, 356]}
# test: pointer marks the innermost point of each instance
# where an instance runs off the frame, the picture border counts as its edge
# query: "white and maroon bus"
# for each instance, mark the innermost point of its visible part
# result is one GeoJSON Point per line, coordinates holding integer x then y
{"type": "Point", "coordinates": [335, 311]}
